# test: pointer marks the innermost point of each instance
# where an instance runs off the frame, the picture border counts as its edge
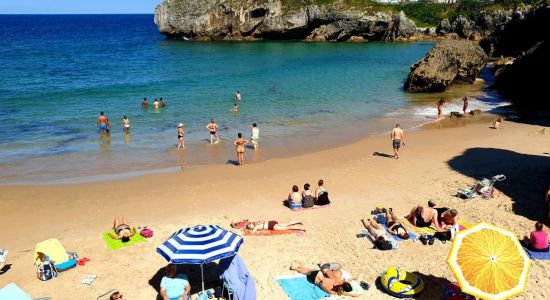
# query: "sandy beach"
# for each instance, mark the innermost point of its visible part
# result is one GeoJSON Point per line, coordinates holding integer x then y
{"type": "Point", "coordinates": [433, 164]}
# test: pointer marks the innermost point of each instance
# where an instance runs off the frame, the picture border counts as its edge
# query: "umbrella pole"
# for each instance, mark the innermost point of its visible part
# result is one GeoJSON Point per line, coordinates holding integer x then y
{"type": "Point", "coordinates": [202, 278]}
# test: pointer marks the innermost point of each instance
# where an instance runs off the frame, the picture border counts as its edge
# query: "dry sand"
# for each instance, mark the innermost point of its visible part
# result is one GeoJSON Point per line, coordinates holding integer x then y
{"type": "Point", "coordinates": [434, 163]}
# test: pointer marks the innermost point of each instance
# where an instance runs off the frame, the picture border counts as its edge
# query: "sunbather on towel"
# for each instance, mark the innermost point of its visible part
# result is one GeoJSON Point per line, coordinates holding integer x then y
{"type": "Point", "coordinates": [379, 236]}
{"type": "Point", "coordinates": [328, 280]}
{"type": "Point", "coordinates": [395, 226]}
{"type": "Point", "coordinates": [422, 216]}
{"type": "Point", "coordinates": [123, 231]}
{"type": "Point", "coordinates": [447, 217]}
{"type": "Point", "coordinates": [271, 225]}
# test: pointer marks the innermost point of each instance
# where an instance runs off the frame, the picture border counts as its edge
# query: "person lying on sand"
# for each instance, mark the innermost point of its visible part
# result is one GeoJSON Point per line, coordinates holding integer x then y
{"type": "Point", "coordinates": [395, 226]}
{"type": "Point", "coordinates": [123, 231]}
{"type": "Point", "coordinates": [270, 225]}
{"type": "Point", "coordinates": [446, 217]}
{"type": "Point", "coordinates": [330, 278]}
{"type": "Point", "coordinates": [422, 216]}
{"type": "Point", "coordinates": [378, 234]}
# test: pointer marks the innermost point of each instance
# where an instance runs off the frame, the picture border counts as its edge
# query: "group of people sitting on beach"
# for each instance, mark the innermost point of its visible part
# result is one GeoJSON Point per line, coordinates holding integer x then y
{"type": "Point", "coordinates": [307, 199]}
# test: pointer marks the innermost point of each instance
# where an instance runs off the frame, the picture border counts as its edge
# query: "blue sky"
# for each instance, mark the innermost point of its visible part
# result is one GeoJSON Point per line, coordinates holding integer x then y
{"type": "Point", "coordinates": [78, 6]}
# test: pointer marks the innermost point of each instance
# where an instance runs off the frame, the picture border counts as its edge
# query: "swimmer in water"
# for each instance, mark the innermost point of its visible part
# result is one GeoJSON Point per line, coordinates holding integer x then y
{"type": "Point", "coordinates": [156, 104]}
{"type": "Point", "coordinates": [144, 103]}
{"type": "Point", "coordinates": [235, 108]}
{"type": "Point", "coordinates": [237, 96]}
{"type": "Point", "coordinates": [126, 124]}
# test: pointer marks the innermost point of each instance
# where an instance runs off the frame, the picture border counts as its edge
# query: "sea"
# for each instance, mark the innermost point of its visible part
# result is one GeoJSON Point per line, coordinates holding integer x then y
{"type": "Point", "coordinates": [60, 71]}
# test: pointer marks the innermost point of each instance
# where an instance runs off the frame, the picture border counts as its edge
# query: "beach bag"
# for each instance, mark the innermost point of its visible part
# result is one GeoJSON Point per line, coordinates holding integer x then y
{"type": "Point", "coordinates": [46, 270]}
{"type": "Point", "coordinates": [383, 245]}
{"type": "Point", "coordinates": [308, 201]}
{"type": "Point", "coordinates": [443, 235]}
{"type": "Point", "coordinates": [146, 233]}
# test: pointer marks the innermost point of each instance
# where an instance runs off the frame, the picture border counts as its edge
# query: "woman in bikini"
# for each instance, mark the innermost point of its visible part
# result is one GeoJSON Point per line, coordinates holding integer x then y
{"type": "Point", "coordinates": [440, 105]}
{"type": "Point", "coordinates": [122, 230]}
{"type": "Point", "coordinates": [270, 225]}
{"type": "Point", "coordinates": [239, 144]}
{"type": "Point", "coordinates": [181, 143]}
{"type": "Point", "coordinates": [395, 226]}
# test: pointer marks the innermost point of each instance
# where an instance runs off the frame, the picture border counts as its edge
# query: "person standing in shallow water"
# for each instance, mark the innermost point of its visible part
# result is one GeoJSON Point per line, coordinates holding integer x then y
{"type": "Point", "coordinates": [162, 102]}
{"type": "Point", "coordinates": [213, 128]}
{"type": "Point", "coordinates": [144, 103]}
{"type": "Point", "coordinates": [181, 143]}
{"type": "Point", "coordinates": [126, 124]}
{"type": "Point", "coordinates": [440, 105]}
{"type": "Point", "coordinates": [255, 135]}
{"type": "Point", "coordinates": [237, 96]}
{"type": "Point", "coordinates": [397, 136]}
{"type": "Point", "coordinates": [103, 124]}
{"type": "Point", "coordinates": [465, 106]}
{"type": "Point", "coordinates": [239, 145]}
{"type": "Point", "coordinates": [235, 108]}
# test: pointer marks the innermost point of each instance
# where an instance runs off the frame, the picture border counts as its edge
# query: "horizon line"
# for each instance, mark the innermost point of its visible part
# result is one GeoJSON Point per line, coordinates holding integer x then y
{"type": "Point", "coordinates": [60, 14]}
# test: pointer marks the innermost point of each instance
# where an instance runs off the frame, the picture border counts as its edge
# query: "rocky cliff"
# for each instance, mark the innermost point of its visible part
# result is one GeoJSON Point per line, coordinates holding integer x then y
{"type": "Point", "coordinates": [449, 61]}
{"type": "Point", "coordinates": [277, 19]}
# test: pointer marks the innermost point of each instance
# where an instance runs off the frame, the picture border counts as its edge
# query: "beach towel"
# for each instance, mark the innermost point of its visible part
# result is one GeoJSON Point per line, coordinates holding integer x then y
{"type": "Point", "coordinates": [297, 287]}
{"type": "Point", "coordinates": [237, 278]}
{"type": "Point", "coordinates": [393, 242]}
{"type": "Point", "coordinates": [13, 292]}
{"type": "Point", "coordinates": [313, 207]}
{"type": "Point", "coordinates": [117, 244]}
{"type": "Point", "coordinates": [273, 232]}
{"type": "Point", "coordinates": [381, 219]}
{"type": "Point", "coordinates": [537, 255]}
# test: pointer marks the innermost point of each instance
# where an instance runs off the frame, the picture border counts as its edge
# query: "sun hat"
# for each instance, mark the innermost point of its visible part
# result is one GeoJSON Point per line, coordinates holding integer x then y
{"type": "Point", "coordinates": [180, 125]}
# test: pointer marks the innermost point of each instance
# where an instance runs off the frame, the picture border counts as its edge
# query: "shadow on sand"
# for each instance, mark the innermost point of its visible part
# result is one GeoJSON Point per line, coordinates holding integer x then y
{"type": "Point", "coordinates": [383, 155]}
{"type": "Point", "coordinates": [232, 162]}
{"type": "Point", "coordinates": [527, 176]}
{"type": "Point", "coordinates": [193, 273]}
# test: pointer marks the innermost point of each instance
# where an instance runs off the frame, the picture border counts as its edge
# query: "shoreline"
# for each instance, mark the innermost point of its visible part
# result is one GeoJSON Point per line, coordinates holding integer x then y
{"type": "Point", "coordinates": [433, 165]}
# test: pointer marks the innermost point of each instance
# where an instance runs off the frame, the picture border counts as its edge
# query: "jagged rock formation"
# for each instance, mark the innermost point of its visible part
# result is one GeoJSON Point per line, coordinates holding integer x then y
{"type": "Point", "coordinates": [276, 19]}
{"type": "Point", "coordinates": [449, 61]}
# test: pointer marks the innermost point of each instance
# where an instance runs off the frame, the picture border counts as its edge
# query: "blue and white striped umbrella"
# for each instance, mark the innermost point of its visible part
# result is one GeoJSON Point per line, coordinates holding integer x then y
{"type": "Point", "coordinates": [200, 245]}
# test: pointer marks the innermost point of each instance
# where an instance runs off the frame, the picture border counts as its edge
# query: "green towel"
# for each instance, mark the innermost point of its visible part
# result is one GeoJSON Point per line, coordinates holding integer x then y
{"type": "Point", "coordinates": [117, 244]}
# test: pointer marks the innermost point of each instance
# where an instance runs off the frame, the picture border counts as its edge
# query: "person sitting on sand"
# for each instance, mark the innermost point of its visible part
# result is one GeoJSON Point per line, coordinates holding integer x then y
{"type": "Point", "coordinates": [331, 281]}
{"type": "Point", "coordinates": [321, 194]}
{"type": "Point", "coordinates": [271, 225]}
{"type": "Point", "coordinates": [174, 286]}
{"type": "Point", "coordinates": [378, 235]}
{"type": "Point", "coordinates": [122, 230]}
{"type": "Point", "coordinates": [497, 124]}
{"type": "Point", "coordinates": [446, 217]}
{"type": "Point", "coordinates": [395, 226]}
{"type": "Point", "coordinates": [422, 216]}
{"type": "Point", "coordinates": [538, 242]}
{"type": "Point", "coordinates": [295, 198]}
{"type": "Point", "coordinates": [307, 197]}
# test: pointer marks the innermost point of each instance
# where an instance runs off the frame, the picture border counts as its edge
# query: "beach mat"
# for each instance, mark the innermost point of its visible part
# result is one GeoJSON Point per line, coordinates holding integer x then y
{"type": "Point", "coordinates": [117, 244]}
{"type": "Point", "coordinates": [297, 287]}
{"type": "Point", "coordinates": [310, 208]}
{"type": "Point", "coordinates": [381, 219]}
{"type": "Point", "coordinates": [272, 232]}
{"type": "Point", "coordinates": [537, 255]}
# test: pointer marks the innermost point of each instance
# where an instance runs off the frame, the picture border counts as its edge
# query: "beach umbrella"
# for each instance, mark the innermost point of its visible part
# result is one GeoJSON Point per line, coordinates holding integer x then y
{"type": "Point", "coordinates": [200, 245]}
{"type": "Point", "coordinates": [489, 262]}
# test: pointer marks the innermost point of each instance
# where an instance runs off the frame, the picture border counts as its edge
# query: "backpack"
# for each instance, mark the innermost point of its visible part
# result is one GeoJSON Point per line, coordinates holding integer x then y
{"type": "Point", "coordinates": [383, 245]}
{"type": "Point", "coordinates": [443, 235]}
{"type": "Point", "coordinates": [46, 270]}
{"type": "Point", "coordinates": [146, 233]}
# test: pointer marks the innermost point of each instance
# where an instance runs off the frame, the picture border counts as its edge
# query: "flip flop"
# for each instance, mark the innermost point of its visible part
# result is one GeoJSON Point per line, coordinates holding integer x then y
{"type": "Point", "coordinates": [80, 262]}
{"type": "Point", "coordinates": [364, 285]}
{"type": "Point", "coordinates": [85, 259]}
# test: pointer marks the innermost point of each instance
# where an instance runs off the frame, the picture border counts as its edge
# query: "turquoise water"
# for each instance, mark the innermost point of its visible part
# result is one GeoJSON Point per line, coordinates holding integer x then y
{"type": "Point", "coordinates": [61, 71]}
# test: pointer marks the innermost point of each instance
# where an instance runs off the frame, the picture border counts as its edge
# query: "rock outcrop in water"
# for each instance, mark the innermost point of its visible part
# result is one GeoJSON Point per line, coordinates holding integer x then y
{"type": "Point", "coordinates": [208, 20]}
{"type": "Point", "coordinates": [449, 61]}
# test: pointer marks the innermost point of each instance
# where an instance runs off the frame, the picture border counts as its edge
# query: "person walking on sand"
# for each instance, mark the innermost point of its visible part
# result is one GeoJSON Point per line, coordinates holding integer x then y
{"type": "Point", "coordinates": [103, 124]}
{"type": "Point", "coordinates": [126, 124]}
{"type": "Point", "coordinates": [397, 136]}
{"type": "Point", "coordinates": [440, 105]}
{"type": "Point", "coordinates": [144, 103]}
{"type": "Point", "coordinates": [255, 135]}
{"type": "Point", "coordinates": [237, 96]}
{"type": "Point", "coordinates": [213, 128]}
{"type": "Point", "coordinates": [239, 144]}
{"type": "Point", "coordinates": [181, 143]}
{"type": "Point", "coordinates": [465, 106]}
